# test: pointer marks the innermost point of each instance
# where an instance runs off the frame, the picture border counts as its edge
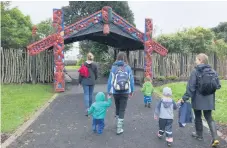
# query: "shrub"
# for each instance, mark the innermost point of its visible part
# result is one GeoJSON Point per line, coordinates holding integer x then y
{"type": "Point", "coordinates": [171, 78]}
{"type": "Point", "coordinates": [161, 78]}
{"type": "Point", "coordinates": [221, 77]}
{"type": "Point", "coordinates": [106, 63]}
{"type": "Point", "coordinates": [80, 62]}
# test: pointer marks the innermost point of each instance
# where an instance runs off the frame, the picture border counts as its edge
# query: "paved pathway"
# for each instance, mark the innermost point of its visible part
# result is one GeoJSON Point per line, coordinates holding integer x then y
{"type": "Point", "coordinates": [63, 125]}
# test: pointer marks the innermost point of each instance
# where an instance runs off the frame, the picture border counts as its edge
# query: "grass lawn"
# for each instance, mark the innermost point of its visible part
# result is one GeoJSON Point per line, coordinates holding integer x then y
{"type": "Point", "coordinates": [72, 67]}
{"type": "Point", "coordinates": [220, 114]}
{"type": "Point", "coordinates": [19, 102]}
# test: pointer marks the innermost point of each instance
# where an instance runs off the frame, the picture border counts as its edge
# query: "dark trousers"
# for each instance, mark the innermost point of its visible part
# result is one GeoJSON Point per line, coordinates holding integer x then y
{"type": "Point", "coordinates": [98, 125]}
{"type": "Point", "coordinates": [207, 114]}
{"type": "Point", "coordinates": [165, 126]}
{"type": "Point", "coordinates": [120, 104]}
{"type": "Point", "coordinates": [198, 120]}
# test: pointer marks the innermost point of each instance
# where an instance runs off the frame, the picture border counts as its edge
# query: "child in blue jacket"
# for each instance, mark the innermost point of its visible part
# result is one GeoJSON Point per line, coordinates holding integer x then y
{"type": "Point", "coordinates": [98, 110]}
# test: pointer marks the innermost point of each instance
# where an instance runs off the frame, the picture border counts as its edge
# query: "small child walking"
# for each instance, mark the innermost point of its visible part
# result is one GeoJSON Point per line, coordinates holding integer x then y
{"type": "Point", "coordinates": [164, 111]}
{"type": "Point", "coordinates": [147, 90]}
{"type": "Point", "coordinates": [98, 110]}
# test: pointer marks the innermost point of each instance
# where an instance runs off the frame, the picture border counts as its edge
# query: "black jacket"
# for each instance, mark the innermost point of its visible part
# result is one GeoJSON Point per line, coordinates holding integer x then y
{"type": "Point", "coordinates": [199, 102]}
{"type": "Point", "coordinates": [92, 74]}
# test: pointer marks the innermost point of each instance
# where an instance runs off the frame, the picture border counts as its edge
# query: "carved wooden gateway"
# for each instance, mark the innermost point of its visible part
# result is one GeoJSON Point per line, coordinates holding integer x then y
{"type": "Point", "coordinates": [104, 26]}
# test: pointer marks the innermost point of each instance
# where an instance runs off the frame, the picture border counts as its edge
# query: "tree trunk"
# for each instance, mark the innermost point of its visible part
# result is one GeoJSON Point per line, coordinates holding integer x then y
{"type": "Point", "coordinates": [215, 61]}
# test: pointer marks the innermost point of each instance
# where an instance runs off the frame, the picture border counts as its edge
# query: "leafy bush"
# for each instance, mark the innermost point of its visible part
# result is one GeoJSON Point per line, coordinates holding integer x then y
{"type": "Point", "coordinates": [172, 78]}
{"type": "Point", "coordinates": [106, 63]}
{"type": "Point", "coordinates": [221, 77]}
{"type": "Point", "coordinates": [161, 78]}
{"type": "Point", "coordinates": [80, 62]}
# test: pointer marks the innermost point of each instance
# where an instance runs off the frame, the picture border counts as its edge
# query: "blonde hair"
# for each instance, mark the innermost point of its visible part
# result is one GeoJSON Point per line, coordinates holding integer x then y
{"type": "Point", "coordinates": [203, 58]}
{"type": "Point", "coordinates": [90, 56]}
{"type": "Point", "coordinates": [147, 79]}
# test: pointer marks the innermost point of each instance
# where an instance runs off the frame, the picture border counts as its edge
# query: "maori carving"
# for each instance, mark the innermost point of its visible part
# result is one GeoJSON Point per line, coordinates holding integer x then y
{"type": "Point", "coordinates": [159, 48]}
{"type": "Point", "coordinates": [59, 82]}
{"type": "Point", "coordinates": [42, 45]}
{"type": "Point", "coordinates": [127, 27]}
{"type": "Point", "coordinates": [149, 46]}
{"type": "Point", "coordinates": [106, 18]}
{"type": "Point", "coordinates": [83, 24]}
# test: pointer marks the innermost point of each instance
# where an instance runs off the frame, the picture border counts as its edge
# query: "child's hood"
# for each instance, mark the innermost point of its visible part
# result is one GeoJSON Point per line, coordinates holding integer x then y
{"type": "Point", "coordinates": [148, 83]}
{"type": "Point", "coordinates": [100, 97]}
{"type": "Point", "coordinates": [167, 102]}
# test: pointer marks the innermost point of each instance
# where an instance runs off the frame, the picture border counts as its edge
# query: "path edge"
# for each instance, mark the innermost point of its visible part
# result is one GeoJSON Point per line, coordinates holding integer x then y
{"type": "Point", "coordinates": [26, 124]}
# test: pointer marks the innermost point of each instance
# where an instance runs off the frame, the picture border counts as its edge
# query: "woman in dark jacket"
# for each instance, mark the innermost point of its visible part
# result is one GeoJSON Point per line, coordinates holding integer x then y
{"type": "Point", "coordinates": [120, 96]}
{"type": "Point", "coordinates": [205, 103]}
{"type": "Point", "coordinates": [89, 83]}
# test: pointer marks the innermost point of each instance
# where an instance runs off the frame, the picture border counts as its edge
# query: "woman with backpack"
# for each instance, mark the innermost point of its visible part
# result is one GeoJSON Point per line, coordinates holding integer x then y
{"type": "Point", "coordinates": [87, 76]}
{"type": "Point", "coordinates": [201, 89]}
{"type": "Point", "coordinates": [121, 86]}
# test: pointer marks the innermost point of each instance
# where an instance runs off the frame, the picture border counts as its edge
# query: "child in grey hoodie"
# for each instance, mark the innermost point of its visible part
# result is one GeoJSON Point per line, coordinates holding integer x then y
{"type": "Point", "coordinates": [164, 111]}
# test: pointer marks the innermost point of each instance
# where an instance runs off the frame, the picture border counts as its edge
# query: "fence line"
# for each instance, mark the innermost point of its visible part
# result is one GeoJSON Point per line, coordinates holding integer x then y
{"type": "Point", "coordinates": [16, 66]}
{"type": "Point", "coordinates": [175, 64]}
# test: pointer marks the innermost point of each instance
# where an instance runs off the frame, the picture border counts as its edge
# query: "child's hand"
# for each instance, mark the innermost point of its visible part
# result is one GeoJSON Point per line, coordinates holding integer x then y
{"type": "Point", "coordinates": [108, 96]}
{"type": "Point", "coordinates": [155, 117]}
{"type": "Point", "coordinates": [180, 101]}
{"type": "Point", "coordinates": [131, 94]}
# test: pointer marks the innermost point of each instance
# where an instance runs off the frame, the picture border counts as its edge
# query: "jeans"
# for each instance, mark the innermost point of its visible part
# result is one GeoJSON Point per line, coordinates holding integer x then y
{"type": "Point", "coordinates": [120, 104]}
{"type": "Point", "coordinates": [88, 95]}
{"type": "Point", "coordinates": [98, 123]}
{"type": "Point", "coordinates": [165, 126]}
{"type": "Point", "coordinates": [147, 99]}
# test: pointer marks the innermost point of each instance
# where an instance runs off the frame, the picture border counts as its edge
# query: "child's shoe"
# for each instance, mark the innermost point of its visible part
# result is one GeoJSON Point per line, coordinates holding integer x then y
{"type": "Point", "coordinates": [149, 105]}
{"type": "Point", "coordinates": [169, 141]}
{"type": "Point", "coordinates": [145, 105]}
{"type": "Point", "coordinates": [159, 135]}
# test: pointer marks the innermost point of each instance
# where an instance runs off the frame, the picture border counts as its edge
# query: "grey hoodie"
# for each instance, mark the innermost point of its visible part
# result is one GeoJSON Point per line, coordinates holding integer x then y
{"type": "Point", "coordinates": [164, 108]}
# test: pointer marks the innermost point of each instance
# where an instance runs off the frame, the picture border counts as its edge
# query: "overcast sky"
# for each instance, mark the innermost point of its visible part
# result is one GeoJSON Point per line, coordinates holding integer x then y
{"type": "Point", "coordinates": [167, 16]}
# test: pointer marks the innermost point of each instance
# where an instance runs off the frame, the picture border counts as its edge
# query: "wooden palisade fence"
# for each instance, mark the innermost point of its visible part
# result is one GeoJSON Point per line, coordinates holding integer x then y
{"type": "Point", "coordinates": [16, 66]}
{"type": "Point", "coordinates": [174, 64]}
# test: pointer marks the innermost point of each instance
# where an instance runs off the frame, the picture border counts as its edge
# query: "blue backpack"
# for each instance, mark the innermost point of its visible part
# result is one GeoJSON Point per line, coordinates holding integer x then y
{"type": "Point", "coordinates": [121, 79]}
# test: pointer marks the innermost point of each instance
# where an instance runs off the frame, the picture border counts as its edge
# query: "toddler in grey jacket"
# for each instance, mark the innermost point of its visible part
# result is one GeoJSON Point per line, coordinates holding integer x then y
{"type": "Point", "coordinates": [164, 111]}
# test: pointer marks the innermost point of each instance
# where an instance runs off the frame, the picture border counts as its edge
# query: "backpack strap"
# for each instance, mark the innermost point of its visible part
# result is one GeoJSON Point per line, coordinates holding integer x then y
{"type": "Point", "coordinates": [120, 68]}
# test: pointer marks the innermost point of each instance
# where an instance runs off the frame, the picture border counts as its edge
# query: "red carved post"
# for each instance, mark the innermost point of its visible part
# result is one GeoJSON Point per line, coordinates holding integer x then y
{"type": "Point", "coordinates": [59, 80]}
{"type": "Point", "coordinates": [107, 18]}
{"type": "Point", "coordinates": [149, 47]}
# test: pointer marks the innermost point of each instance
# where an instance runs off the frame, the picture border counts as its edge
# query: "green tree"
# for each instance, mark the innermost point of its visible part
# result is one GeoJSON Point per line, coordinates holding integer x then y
{"type": "Point", "coordinates": [221, 31]}
{"type": "Point", "coordinates": [78, 10]}
{"type": "Point", "coordinates": [189, 40]}
{"type": "Point", "coordinates": [15, 27]}
{"type": "Point", "coordinates": [219, 47]}
{"type": "Point", "coordinates": [45, 28]}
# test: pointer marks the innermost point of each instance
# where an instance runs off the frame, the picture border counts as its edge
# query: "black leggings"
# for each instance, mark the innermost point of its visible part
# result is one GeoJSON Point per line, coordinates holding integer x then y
{"type": "Point", "coordinates": [120, 104]}
{"type": "Point", "coordinates": [207, 114]}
